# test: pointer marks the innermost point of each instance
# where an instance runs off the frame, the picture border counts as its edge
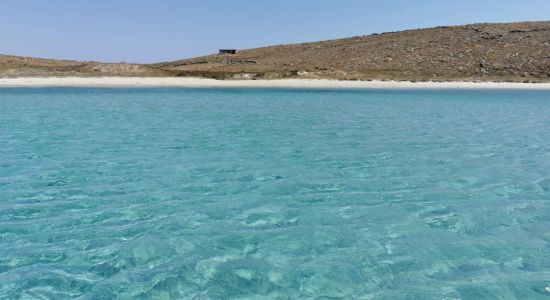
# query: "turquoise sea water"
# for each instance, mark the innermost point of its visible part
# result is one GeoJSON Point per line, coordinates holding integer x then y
{"type": "Point", "coordinates": [255, 194]}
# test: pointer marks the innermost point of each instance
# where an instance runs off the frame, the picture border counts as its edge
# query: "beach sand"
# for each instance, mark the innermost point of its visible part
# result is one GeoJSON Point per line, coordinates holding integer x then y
{"type": "Point", "coordinates": [281, 83]}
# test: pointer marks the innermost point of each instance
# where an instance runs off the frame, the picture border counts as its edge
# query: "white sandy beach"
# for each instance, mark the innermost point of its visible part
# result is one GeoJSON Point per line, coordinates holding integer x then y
{"type": "Point", "coordinates": [282, 83]}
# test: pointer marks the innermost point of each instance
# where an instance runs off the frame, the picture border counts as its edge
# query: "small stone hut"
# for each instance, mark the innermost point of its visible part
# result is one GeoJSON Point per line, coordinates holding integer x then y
{"type": "Point", "coordinates": [228, 51]}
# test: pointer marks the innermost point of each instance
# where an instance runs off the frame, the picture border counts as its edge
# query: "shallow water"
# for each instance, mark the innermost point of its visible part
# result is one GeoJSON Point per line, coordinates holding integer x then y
{"type": "Point", "coordinates": [217, 194]}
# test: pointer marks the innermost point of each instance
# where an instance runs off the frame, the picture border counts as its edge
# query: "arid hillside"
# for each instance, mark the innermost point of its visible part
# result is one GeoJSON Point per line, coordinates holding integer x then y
{"type": "Point", "coordinates": [518, 52]}
{"type": "Point", "coordinates": [18, 66]}
{"type": "Point", "coordinates": [487, 52]}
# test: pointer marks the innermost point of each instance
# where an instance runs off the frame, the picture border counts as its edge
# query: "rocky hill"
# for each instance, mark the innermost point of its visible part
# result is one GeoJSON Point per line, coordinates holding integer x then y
{"type": "Point", "coordinates": [487, 52]}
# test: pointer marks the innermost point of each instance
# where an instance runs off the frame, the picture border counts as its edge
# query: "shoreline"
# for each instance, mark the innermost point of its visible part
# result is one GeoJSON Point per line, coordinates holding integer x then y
{"type": "Point", "coordinates": [188, 82]}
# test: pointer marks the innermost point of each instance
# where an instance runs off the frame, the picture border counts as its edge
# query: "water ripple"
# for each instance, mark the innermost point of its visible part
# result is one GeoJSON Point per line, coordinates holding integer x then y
{"type": "Point", "coordinates": [253, 194]}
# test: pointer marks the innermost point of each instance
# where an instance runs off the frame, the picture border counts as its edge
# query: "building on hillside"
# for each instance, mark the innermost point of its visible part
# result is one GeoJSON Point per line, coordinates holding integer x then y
{"type": "Point", "coordinates": [228, 51]}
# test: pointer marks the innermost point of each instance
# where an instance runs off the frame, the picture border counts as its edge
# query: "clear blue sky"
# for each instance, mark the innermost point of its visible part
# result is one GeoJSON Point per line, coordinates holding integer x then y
{"type": "Point", "coordinates": [150, 31]}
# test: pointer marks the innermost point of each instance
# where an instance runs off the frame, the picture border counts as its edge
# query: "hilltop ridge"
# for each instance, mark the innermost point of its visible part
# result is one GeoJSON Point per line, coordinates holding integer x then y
{"type": "Point", "coordinates": [479, 52]}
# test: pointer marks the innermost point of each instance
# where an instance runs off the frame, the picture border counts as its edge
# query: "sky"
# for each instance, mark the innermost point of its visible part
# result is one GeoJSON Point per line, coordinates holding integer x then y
{"type": "Point", "coordinates": [162, 30]}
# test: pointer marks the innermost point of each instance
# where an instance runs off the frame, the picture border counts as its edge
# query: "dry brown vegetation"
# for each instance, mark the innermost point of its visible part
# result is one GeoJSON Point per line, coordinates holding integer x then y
{"type": "Point", "coordinates": [486, 52]}
{"type": "Point", "coordinates": [17, 66]}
